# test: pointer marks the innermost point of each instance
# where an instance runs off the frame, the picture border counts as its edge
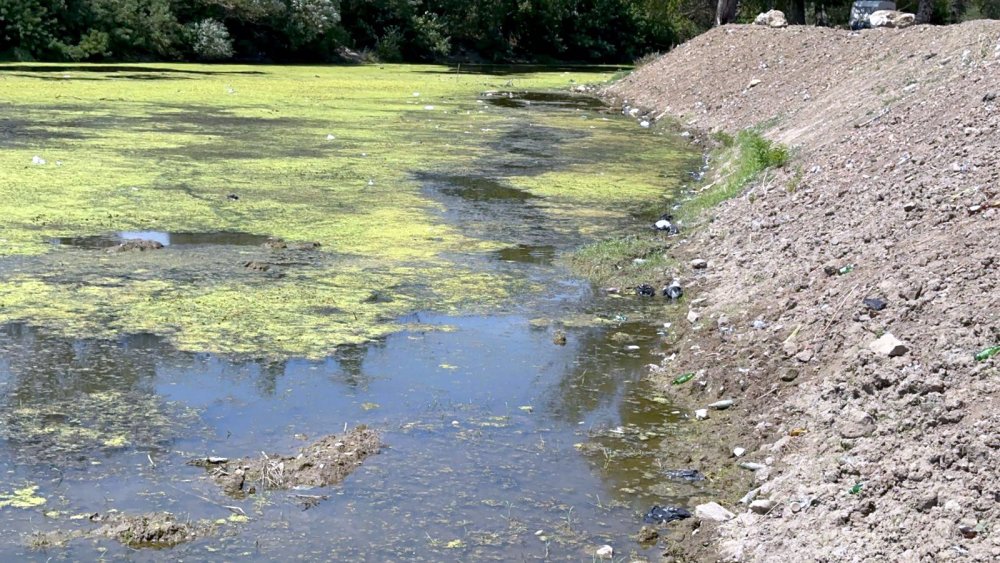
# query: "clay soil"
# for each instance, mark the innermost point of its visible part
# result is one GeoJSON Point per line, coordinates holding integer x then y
{"type": "Point", "coordinates": [895, 137]}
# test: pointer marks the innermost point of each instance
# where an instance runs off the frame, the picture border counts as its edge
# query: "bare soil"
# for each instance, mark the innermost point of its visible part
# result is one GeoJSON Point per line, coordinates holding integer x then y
{"type": "Point", "coordinates": [320, 464]}
{"type": "Point", "coordinates": [896, 173]}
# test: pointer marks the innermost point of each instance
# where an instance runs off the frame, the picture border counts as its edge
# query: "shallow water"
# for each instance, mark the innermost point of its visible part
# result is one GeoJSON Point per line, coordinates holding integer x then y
{"type": "Point", "coordinates": [501, 444]}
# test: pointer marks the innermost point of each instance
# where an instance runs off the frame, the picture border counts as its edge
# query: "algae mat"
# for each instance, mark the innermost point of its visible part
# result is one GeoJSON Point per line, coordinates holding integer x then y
{"type": "Point", "coordinates": [333, 162]}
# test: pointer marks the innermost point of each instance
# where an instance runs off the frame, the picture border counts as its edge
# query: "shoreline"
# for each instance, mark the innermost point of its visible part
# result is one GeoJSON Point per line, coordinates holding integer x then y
{"type": "Point", "coordinates": [890, 196]}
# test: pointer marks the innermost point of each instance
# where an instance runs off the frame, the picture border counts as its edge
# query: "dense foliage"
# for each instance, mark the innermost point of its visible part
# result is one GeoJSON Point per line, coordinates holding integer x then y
{"type": "Point", "coordinates": [390, 30]}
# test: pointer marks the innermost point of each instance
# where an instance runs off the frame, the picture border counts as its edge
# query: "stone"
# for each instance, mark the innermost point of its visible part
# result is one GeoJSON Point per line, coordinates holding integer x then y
{"type": "Point", "coordinates": [701, 414]}
{"type": "Point", "coordinates": [713, 511]}
{"type": "Point", "coordinates": [804, 356]}
{"type": "Point", "coordinates": [752, 466]}
{"type": "Point", "coordinates": [771, 18]}
{"type": "Point", "coordinates": [790, 375]}
{"type": "Point", "coordinates": [888, 345]}
{"type": "Point", "coordinates": [722, 405]}
{"type": "Point", "coordinates": [738, 452]}
{"type": "Point", "coordinates": [605, 552]}
{"type": "Point", "coordinates": [891, 18]}
{"type": "Point", "coordinates": [855, 423]}
{"type": "Point", "coordinates": [693, 316]}
{"type": "Point", "coordinates": [699, 264]}
{"type": "Point", "coordinates": [647, 534]}
{"type": "Point", "coordinates": [750, 496]}
{"type": "Point", "coordinates": [762, 506]}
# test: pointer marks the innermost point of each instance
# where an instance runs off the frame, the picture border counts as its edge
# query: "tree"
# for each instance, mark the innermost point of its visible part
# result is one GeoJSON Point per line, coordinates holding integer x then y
{"type": "Point", "coordinates": [725, 12]}
{"type": "Point", "coordinates": [925, 9]}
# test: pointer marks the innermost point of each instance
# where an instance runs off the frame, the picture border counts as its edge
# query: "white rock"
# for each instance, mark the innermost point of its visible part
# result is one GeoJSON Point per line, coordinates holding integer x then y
{"type": "Point", "coordinates": [605, 552]}
{"type": "Point", "coordinates": [713, 511]}
{"type": "Point", "coordinates": [891, 18]}
{"type": "Point", "coordinates": [738, 452]}
{"type": "Point", "coordinates": [721, 405]}
{"type": "Point", "coordinates": [750, 496]}
{"type": "Point", "coordinates": [701, 414]}
{"type": "Point", "coordinates": [762, 506]}
{"type": "Point", "coordinates": [888, 345]}
{"type": "Point", "coordinates": [772, 18]}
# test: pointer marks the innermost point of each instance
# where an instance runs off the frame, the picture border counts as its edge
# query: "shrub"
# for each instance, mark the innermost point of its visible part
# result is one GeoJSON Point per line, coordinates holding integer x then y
{"type": "Point", "coordinates": [210, 40]}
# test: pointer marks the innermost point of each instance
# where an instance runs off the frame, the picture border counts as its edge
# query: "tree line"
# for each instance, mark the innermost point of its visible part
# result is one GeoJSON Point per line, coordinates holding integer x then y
{"type": "Point", "coordinates": [394, 30]}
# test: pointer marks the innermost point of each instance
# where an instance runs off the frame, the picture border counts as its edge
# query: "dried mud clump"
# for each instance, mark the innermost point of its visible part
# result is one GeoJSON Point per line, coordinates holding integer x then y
{"type": "Point", "coordinates": [154, 529]}
{"type": "Point", "coordinates": [323, 463]}
{"type": "Point", "coordinates": [136, 245]}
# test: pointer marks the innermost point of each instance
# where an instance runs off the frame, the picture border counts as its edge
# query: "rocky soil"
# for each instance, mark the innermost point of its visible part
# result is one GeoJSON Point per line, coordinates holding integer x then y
{"type": "Point", "coordinates": [868, 453]}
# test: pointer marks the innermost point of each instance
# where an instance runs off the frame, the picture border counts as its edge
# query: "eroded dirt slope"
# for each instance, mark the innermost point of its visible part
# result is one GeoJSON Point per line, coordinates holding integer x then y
{"type": "Point", "coordinates": [896, 172]}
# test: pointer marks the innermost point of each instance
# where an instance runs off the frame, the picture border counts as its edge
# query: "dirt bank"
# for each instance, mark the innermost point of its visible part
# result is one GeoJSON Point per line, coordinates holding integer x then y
{"type": "Point", "coordinates": [891, 194]}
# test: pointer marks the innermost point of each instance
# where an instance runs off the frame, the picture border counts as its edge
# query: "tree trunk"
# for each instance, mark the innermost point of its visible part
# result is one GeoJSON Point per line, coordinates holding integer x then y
{"type": "Point", "coordinates": [797, 12]}
{"type": "Point", "coordinates": [725, 12]}
{"type": "Point", "coordinates": [925, 9]}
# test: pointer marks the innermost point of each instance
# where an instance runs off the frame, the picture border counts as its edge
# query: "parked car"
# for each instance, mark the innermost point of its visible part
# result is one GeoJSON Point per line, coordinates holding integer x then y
{"type": "Point", "coordinates": [861, 9]}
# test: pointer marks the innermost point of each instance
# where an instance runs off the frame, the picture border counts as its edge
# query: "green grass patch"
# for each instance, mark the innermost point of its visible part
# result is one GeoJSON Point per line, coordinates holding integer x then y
{"type": "Point", "coordinates": [622, 262]}
{"type": "Point", "coordinates": [742, 158]}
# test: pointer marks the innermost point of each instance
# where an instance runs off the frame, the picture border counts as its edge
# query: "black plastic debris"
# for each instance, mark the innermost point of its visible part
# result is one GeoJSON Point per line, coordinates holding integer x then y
{"type": "Point", "coordinates": [666, 224]}
{"type": "Point", "coordinates": [233, 197]}
{"type": "Point", "coordinates": [663, 514]}
{"type": "Point", "coordinates": [645, 290]}
{"type": "Point", "coordinates": [875, 303]}
{"type": "Point", "coordinates": [684, 474]}
{"type": "Point", "coordinates": [673, 291]}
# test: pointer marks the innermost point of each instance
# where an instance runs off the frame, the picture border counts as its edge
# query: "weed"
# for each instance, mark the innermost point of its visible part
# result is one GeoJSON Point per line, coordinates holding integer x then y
{"type": "Point", "coordinates": [748, 155]}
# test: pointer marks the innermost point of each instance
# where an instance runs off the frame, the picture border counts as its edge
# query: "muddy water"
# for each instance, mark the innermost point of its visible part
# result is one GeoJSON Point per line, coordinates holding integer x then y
{"type": "Point", "coordinates": [501, 444]}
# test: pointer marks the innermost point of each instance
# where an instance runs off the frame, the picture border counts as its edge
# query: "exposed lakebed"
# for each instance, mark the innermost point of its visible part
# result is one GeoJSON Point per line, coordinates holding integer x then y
{"type": "Point", "coordinates": [116, 370]}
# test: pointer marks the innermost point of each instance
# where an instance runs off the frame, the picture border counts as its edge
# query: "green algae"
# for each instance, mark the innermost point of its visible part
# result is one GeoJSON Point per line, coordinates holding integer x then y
{"type": "Point", "coordinates": [24, 497]}
{"type": "Point", "coordinates": [325, 154]}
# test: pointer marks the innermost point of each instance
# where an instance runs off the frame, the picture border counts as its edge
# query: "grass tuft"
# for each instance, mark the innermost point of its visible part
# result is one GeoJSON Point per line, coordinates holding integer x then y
{"type": "Point", "coordinates": [742, 159]}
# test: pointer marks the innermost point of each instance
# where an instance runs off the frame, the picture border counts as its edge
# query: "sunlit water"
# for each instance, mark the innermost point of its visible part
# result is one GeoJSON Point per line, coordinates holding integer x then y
{"type": "Point", "coordinates": [482, 422]}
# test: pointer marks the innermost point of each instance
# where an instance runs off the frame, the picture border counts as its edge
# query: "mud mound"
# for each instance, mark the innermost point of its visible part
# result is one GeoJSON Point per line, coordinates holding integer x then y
{"type": "Point", "coordinates": [150, 530]}
{"type": "Point", "coordinates": [868, 453]}
{"type": "Point", "coordinates": [321, 464]}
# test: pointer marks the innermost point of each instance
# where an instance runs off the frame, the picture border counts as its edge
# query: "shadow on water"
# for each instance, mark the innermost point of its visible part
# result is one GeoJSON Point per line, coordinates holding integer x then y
{"type": "Point", "coordinates": [518, 100]}
{"type": "Point", "coordinates": [164, 238]}
{"type": "Point", "coordinates": [528, 254]}
{"type": "Point", "coordinates": [114, 69]}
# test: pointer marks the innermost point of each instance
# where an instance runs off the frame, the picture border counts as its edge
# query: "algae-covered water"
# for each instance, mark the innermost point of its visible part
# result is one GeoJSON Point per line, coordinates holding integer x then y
{"type": "Point", "coordinates": [334, 246]}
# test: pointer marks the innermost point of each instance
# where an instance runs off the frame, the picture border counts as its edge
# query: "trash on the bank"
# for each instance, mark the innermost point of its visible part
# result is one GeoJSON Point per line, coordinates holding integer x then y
{"type": "Point", "coordinates": [685, 474]}
{"type": "Point", "coordinates": [701, 414]}
{"type": "Point", "coordinates": [856, 488]}
{"type": "Point", "coordinates": [722, 405]}
{"type": "Point", "coordinates": [664, 514]}
{"type": "Point", "coordinates": [666, 223]}
{"type": "Point", "coordinates": [683, 378]}
{"type": "Point", "coordinates": [645, 290]}
{"type": "Point", "coordinates": [673, 291]}
{"type": "Point", "coordinates": [875, 303]}
{"type": "Point", "coordinates": [987, 353]}
{"type": "Point", "coordinates": [605, 552]}
{"type": "Point", "coordinates": [751, 465]}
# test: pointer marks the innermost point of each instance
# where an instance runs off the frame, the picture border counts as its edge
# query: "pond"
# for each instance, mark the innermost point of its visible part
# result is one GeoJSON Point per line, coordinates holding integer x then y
{"type": "Point", "coordinates": [334, 247]}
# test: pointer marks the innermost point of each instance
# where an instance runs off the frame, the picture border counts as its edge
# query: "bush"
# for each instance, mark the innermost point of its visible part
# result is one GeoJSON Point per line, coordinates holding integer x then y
{"type": "Point", "coordinates": [210, 40]}
{"type": "Point", "coordinates": [389, 47]}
